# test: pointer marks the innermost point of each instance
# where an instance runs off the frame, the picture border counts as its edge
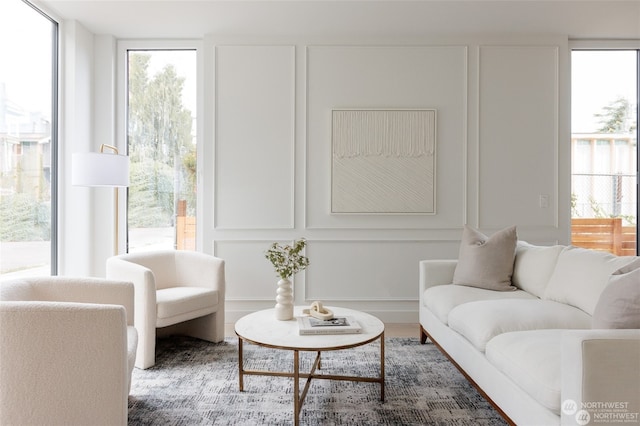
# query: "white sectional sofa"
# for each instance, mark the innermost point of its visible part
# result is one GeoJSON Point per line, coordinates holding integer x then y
{"type": "Point", "coordinates": [536, 351]}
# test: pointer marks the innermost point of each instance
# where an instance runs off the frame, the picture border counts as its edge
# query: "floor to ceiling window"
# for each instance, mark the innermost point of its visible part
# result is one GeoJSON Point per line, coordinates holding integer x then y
{"type": "Point", "coordinates": [604, 149]}
{"type": "Point", "coordinates": [28, 75]}
{"type": "Point", "coordinates": [161, 140]}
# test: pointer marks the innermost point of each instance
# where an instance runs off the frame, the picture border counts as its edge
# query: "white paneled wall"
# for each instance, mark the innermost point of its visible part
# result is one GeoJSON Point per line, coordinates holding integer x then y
{"type": "Point", "coordinates": [255, 110]}
{"type": "Point", "coordinates": [250, 275]}
{"type": "Point", "coordinates": [499, 147]}
{"type": "Point", "coordinates": [364, 270]}
{"type": "Point", "coordinates": [387, 77]}
{"type": "Point", "coordinates": [518, 133]}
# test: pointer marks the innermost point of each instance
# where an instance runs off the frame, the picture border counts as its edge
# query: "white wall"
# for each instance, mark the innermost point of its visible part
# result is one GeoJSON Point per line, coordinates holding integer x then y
{"type": "Point", "coordinates": [497, 74]}
{"type": "Point", "coordinates": [86, 215]}
{"type": "Point", "coordinates": [502, 123]}
{"type": "Point", "coordinates": [75, 204]}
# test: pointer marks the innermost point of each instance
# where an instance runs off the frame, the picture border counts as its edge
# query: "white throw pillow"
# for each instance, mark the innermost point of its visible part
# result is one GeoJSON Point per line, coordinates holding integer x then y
{"type": "Point", "coordinates": [486, 262]}
{"type": "Point", "coordinates": [533, 267]}
{"type": "Point", "coordinates": [581, 275]}
{"type": "Point", "coordinates": [619, 303]}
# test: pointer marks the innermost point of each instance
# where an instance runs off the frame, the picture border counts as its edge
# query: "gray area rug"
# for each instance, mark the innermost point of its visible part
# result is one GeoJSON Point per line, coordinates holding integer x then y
{"type": "Point", "coordinates": [196, 383]}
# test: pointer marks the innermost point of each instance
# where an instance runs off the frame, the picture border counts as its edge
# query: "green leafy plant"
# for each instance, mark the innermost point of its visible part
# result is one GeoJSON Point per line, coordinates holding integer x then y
{"type": "Point", "coordinates": [288, 260]}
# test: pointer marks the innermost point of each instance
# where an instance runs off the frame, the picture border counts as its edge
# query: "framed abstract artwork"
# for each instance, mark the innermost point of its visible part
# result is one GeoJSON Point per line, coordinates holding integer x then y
{"type": "Point", "coordinates": [383, 161]}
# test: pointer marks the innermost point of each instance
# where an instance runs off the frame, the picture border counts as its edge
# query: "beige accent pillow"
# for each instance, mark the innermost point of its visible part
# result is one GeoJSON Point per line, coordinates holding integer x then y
{"type": "Point", "coordinates": [619, 303]}
{"type": "Point", "coordinates": [486, 262]}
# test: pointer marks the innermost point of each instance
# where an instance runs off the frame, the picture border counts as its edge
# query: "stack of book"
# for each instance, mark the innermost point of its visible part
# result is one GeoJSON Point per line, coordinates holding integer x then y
{"type": "Point", "coordinates": [337, 325]}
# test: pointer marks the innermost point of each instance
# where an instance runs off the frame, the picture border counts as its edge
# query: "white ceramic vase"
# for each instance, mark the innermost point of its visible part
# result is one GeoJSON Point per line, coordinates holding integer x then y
{"type": "Point", "coordinates": [284, 305]}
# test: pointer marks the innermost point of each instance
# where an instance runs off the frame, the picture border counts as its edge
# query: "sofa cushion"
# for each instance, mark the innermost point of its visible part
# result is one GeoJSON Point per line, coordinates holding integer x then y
{"type": "Point", "coordinates": [533, 266]}
{"type": "Point", "coordinates": [532, 359]}
{"type": "Point", "coordinates": [619, 303]}
{"type": "Point", "coordinates": [175, 301]}
{"type": "Point", "coordinates": [581, 275]}
{"type": "Point", "coordinates": [486, 262]}
{"type": "Point", "coordinates": [441, 299]}
{"type": "Point", "coordinates": [481, 321]}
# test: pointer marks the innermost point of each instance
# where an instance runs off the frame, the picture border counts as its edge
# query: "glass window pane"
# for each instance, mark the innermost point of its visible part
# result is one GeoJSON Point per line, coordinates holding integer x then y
{"type": "Point", "coordinates": [604, 109]}
{"type": "Point", "coordinates": [26, 88]}
{"type": "Point", "coordinates": [162, 149]}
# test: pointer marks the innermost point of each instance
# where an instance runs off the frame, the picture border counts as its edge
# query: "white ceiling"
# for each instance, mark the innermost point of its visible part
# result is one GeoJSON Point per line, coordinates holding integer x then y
{"type": "Point", "coordinates": [379, 18]}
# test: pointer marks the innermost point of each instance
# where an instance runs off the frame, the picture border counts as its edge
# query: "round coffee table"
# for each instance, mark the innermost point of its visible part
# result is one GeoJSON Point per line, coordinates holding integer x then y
{"type": "Point", "coordinates": [263, 329]}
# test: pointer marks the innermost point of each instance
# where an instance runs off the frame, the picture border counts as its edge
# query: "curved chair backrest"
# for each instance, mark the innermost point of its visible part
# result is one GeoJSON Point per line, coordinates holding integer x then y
{"type": "Point", "coordinates": [161, 263]}
{"type": "Point", "coordinates": [71, 289]}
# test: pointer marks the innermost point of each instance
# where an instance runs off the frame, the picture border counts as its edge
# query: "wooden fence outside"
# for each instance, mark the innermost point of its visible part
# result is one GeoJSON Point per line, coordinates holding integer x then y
{"type": "Point", "coordinates": [605, 234]}
{"type": "Point", "coordinates": [185, 228]}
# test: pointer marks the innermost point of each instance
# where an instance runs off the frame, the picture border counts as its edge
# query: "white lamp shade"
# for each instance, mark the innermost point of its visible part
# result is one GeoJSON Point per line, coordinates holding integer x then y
{"type": "Point", "coordinates": [98, 169]}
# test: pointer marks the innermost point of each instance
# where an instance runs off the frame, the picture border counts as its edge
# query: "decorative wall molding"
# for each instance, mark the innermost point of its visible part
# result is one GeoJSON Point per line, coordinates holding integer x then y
{"type": "Point", "coordinates": [386, 77]}
{"type": "Point", "coordinates": [518, 132]}
{"type": "Point", "coordinates": [255, 110]}
{"type": "Point", "coordinates": [358, 270]}
{"type": "Point", "coordinates": [250, 276]}
{"type": "Point", "coordinates": [485, 98]}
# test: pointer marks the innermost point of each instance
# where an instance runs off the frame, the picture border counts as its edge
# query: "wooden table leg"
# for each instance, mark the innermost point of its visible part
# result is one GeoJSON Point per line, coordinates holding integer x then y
{"type": "Point", "coordinates": [296, 388]}
{"type": "Point", "coordinates": [382, 367]}
{"type": "Point", "coordinates": [240, 365]}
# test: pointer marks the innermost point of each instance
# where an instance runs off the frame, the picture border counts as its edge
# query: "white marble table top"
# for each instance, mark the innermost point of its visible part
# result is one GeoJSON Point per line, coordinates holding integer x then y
{"type": "Point", "coordinates": [263, 328]}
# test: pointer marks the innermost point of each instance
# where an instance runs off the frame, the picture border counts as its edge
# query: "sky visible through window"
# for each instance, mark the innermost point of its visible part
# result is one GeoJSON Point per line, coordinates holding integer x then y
{"type": "Point", "coordinates": [597, 79]}
{"type": "Point", "coordinates": [24, 62]}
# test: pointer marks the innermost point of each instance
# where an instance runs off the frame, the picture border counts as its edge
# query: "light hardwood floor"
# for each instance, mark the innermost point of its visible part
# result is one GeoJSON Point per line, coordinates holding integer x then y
{"type": "Point", "coordinates": [390, 330]}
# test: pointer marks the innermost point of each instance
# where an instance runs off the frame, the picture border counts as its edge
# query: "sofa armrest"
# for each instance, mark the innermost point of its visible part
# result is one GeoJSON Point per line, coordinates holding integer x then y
{"type": "Point", "coordinates": [63, 363]}
{"type": "Point", "coordinates": [600, 376]}
{"type": "Point", "coordinates": [436, 272]}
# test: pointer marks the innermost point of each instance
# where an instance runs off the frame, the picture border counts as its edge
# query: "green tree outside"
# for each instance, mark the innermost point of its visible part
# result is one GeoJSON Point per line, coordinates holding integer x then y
{"type": "Point", "coordinates": [616, 117]}
{"type": "Point", "coordinates": [160, 145]}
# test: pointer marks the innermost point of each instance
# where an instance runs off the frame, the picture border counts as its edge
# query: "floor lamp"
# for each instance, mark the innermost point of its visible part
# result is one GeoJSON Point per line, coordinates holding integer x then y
{"type": "Point", "coordinates": [102, 169]}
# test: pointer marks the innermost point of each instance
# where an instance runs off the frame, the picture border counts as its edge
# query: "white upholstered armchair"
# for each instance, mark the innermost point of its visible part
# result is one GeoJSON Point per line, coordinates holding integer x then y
{"type": "Point", "coordinates": [67, 350]}
{"type": "Point", "coordinates": [176, 292]}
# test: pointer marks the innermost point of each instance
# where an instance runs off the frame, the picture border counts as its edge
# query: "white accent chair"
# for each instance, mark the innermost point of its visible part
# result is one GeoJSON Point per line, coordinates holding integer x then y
{"type": "Point", "coordinates": [176, 292]}
{"type": "Point", "coordinates": [67, 351]}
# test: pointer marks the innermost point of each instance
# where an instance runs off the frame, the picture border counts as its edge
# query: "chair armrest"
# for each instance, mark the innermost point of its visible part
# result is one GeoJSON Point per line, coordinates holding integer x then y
{"type": "Point", "coordinates": [600, 374]}
{"type": "Point", "coordinates": [436, 272]}
{"type": "Point", "coordinates": [144, 288]}
{"type": "Point", "coordinates": [200, 270]}
{"type": "Point", "coordinates": [63, 363]}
